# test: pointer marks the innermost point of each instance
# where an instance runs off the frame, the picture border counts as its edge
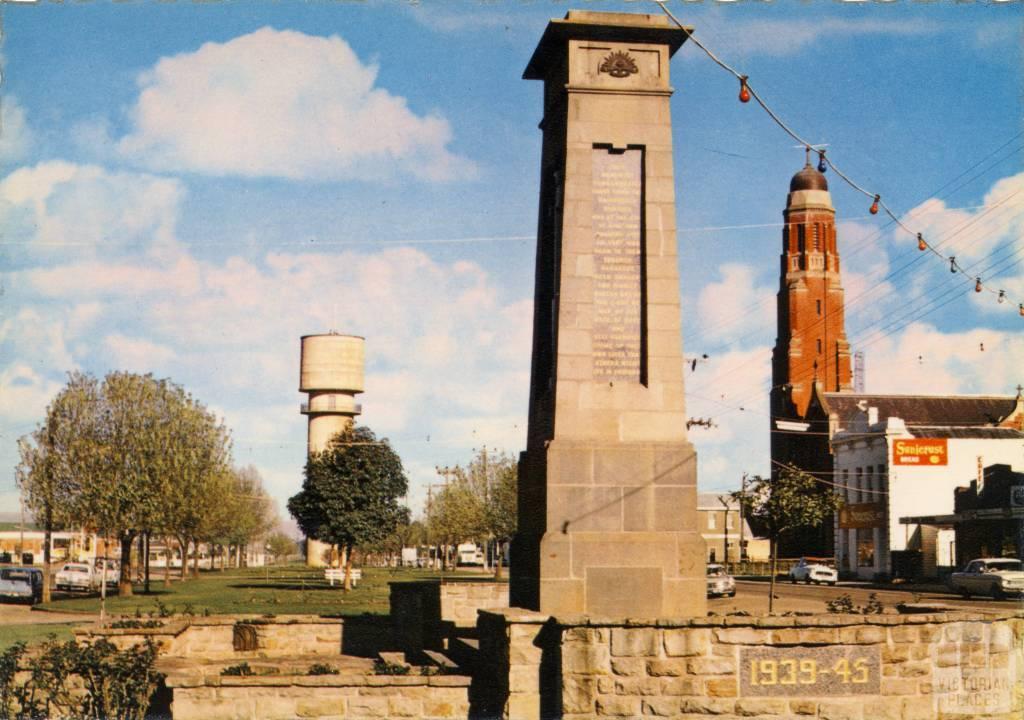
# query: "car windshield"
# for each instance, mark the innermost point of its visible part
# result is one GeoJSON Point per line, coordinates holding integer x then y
{"type": "Point", "coordinates": [716, 570]}
{"type": "Point", "coordinates": [76, 568]}
{"type": "Point", "coordinates": [14, 574]}
{"type": "Point", "coordinates": [1004, 565]}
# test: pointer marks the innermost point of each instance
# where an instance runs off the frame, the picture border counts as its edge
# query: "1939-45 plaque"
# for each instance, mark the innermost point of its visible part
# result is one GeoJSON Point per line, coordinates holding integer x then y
{"type": "Point", "coordinates": [803, 670]}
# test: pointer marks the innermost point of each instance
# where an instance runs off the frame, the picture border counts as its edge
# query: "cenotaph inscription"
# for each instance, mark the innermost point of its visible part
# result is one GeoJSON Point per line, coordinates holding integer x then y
{"type": "Point", "coordinates": [618, 308]}
{"type": "Point", "coordinates": [607, 504]}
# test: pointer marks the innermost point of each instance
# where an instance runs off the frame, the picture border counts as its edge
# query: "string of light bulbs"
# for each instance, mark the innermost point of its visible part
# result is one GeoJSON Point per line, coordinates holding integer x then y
{"type": "Point", "coordinates": [747, 92]}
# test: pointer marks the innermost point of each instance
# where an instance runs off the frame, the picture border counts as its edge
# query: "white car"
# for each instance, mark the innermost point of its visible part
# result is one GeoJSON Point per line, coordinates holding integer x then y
{"type": "Point", "coordinates": [997, 577]}
{"type": "Point", "coordinates": [113, 573]}
{"type": "Point", "coordinates": [74, 576]}
{"type": "Point", "coordinates": [720, 582]}
{"type": "Point", "coordinates": [813, 572]}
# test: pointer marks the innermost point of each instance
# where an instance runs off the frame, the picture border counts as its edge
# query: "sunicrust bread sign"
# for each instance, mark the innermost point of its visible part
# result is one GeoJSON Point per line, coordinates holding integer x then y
{"type": "Point", "coordinates": [920, 451]}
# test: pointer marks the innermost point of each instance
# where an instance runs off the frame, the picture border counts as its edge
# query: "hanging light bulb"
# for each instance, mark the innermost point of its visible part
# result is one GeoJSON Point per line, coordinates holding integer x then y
{"type": "Point", "coordinates": [952, 263]}
{"type": "Point", "coordinates": [977, 285]}
{"type": "Point", "coordinates": [744, 90]}
{"type": "Point", "coordinates": [1002, 296]}
{"type": "Point", "coordinates": [822, 167]}
{"type": "Point", "coordinates": [921, 244]}
{"type": "Point", "coordinates": [874, 205]}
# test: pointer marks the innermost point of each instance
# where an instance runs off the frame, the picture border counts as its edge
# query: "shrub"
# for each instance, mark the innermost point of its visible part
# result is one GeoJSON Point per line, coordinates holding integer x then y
{"type": "Point", "coordinates": [143, 624]}
{"type": "Point", "coordinates": [241, 669]}
{"type": "Point", "coordinates": [844, 604]}
{"type": "Point", "coordinates": [841, 604]}
{"type": "Point", "coordinates": [383, 667]}
{"type": "Point", "coordinates": [322, 669]}
{"type": "Point", "coordinates": [67, 680]}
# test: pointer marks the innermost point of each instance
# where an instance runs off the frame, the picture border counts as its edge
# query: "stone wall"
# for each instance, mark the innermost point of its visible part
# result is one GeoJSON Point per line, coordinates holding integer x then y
{"type": "Point", "coordinates": [214, 637]}
{"type": "Point", "coordinates": [322, 696]}
{"type": "Point", "coordinates": [833, 667]}
{"type": "Point", "coordinates": [423, 611]}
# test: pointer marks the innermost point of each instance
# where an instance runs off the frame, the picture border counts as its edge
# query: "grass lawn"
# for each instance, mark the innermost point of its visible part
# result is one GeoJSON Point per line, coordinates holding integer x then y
{"type": "Point", "coordinates": [290, 589]}
{"type": "Point", "coordinates": [10, 634]}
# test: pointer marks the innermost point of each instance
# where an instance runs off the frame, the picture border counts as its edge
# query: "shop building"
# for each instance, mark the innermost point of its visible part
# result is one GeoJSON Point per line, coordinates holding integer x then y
{"type": "Point", "coordinates": [896, 456]}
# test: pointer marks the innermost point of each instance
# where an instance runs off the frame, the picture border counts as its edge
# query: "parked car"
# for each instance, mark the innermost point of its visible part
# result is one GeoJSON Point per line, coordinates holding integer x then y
{"type": "Point", "coordinates": [997, 577]}
{"type": "Point", "coordinates": [811, 571]}
{"type": "Point", "coordinates": [75, 576]}
{"type": "Point", "coordinates": [113, 573]}
{"type": "Point", "coordinates": [21, 583]}
{"type": "Point", "coordinates": [720, 582]}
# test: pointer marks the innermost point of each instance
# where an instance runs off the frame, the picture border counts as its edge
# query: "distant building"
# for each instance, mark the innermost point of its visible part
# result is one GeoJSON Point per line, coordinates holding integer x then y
{"type": "Point", "coordinates": [811, 349]}
{"type": "Point", "coordinates": [903, 455]}
{"type": "Point", "coordinates": [988, 518]}
{"type": "Point", "coordinates": [719, 521]}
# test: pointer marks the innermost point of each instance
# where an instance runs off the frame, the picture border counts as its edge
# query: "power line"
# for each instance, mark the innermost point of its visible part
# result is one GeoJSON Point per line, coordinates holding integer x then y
{"type": "Point", "coordinates": [747, 92]}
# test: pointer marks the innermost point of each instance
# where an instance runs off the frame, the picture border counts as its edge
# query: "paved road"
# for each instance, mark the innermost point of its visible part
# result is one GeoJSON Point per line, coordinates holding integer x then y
{"type": "Point", "coordinates": [752, 597]}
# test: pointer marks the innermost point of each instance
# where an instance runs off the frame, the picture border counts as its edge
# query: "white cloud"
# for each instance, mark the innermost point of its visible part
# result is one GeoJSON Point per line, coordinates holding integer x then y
{"type": "Point", "coordinates": [971, 234]}
{"type": "Point", "coordinates": [57, 207]}
{"type": "Point", "coordinates": [137, 354]}
{"type": "Point", "coordinates": [24, 395]}
{"type": "Point", "coordinates": [438, 361]}
{"type": "Point", "coordinates": [16, 137]}
{"type": "Point", "coordinates": [923, 359]}
{"type": "Point", "coordinates": [283, 104]}
{"type": "Point", "coordinates": [735, 305]}
{"type": "Point", "coordinates": [34, 334]}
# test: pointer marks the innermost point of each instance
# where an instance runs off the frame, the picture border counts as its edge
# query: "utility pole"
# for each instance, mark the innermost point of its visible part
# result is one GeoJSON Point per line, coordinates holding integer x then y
{"type": "Point", "coordinates": [725, 526]}
{"type": "Point", "coordinates": [743, 495]}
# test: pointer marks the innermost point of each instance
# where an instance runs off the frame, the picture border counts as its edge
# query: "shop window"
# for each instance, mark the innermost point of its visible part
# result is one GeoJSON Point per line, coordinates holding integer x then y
{"type": "Point", "coordinates": [865, 547]}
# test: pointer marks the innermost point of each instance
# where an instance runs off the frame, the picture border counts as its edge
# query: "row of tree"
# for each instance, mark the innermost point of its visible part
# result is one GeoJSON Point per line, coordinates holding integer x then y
{"type": "Point", "coordinates": [476, 503]}
{"type": "Point", "coordinates": [135, 455]}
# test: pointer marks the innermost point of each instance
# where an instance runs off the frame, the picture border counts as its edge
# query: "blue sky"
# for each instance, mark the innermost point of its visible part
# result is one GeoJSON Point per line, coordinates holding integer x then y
{"type": "Point", "coordinates": [186, 188]}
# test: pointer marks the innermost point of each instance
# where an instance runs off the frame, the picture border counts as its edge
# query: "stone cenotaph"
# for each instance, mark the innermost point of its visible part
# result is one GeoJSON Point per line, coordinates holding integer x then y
{"type": "Point", "coordinates": [607, 484]}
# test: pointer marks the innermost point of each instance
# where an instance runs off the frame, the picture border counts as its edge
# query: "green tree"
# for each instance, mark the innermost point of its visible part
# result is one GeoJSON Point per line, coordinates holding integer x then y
{"type": "Point", "coordinates": [120, 457]}
{"type": "Point", "coordinates": [350, 493]}
{"type": "Point", "coordinates": [280, 545]}
{"type": "Point", "coordinates": [194, 487]}
{"type": "Point", "coordinates": [478, 502]}
{"type": "Point", "coordinates": [58, 458]}
{"type": "Point", "coordinates": [454, 514]}
{"type": "Point", "coordinates": [500, 510]}
{"type": "Point", "coordinates": [251, 513]}
{"type": "Point", "coordinates": [791, 500]}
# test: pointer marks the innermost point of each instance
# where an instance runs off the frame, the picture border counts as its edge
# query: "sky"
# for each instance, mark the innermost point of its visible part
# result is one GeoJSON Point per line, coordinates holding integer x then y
{"type": "Point", "coordinates": [188, 188]}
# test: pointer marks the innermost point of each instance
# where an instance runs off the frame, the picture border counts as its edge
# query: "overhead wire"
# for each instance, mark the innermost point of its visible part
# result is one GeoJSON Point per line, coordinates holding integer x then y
{"type": "Point", "coordinates": [747, 92]}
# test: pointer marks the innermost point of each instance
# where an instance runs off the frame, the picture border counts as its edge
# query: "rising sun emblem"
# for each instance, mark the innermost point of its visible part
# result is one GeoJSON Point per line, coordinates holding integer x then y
{"type": "Point", "coordinates": [619, 65]}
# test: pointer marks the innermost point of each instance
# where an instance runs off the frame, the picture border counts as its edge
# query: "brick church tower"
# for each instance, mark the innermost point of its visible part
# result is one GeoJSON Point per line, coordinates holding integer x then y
{"type": "Point", "coordinates": [811, 353]}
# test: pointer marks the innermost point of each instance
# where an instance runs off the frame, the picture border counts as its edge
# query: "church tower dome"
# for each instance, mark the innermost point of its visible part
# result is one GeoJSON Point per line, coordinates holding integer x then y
{"type": "Point", "coordinates": [811, 345]}
{"type": "Point", "coordinates": [808, 179]}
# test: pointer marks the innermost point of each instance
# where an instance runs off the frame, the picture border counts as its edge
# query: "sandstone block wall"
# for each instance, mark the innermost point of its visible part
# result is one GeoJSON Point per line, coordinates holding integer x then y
{"type": "Point", "coordinates": [912, 667]}
{"type": "Point", "coordinates": [213, 637]}
{"type": "Point", "coordinates": [460, 601]}
{"type": "Point", "coordinates": [327, 696]}
{"type": "Point", "coordinates": [423, 611]}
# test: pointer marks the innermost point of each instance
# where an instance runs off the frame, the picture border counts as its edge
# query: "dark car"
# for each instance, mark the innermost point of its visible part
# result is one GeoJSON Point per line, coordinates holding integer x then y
{"type": "Point", "coordinates": [21, 583]}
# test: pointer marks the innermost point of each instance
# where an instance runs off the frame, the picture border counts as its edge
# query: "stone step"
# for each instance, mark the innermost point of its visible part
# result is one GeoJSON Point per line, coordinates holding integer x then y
{"type": "Point", "coordinates": [440, 660]}
{"type": "Point", "coordinates": [464, 650]}
{"type": "Point", "coordinates": [394, 658]}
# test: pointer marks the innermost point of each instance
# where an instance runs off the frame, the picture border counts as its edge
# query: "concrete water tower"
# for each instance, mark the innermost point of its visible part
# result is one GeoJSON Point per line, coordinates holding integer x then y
{"type": "Point", "coordinates": [331, 372]}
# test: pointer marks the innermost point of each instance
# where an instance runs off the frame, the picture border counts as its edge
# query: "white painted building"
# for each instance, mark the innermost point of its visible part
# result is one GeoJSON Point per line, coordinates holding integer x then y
{"type": "Point", "coordinates": [897, 456]}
